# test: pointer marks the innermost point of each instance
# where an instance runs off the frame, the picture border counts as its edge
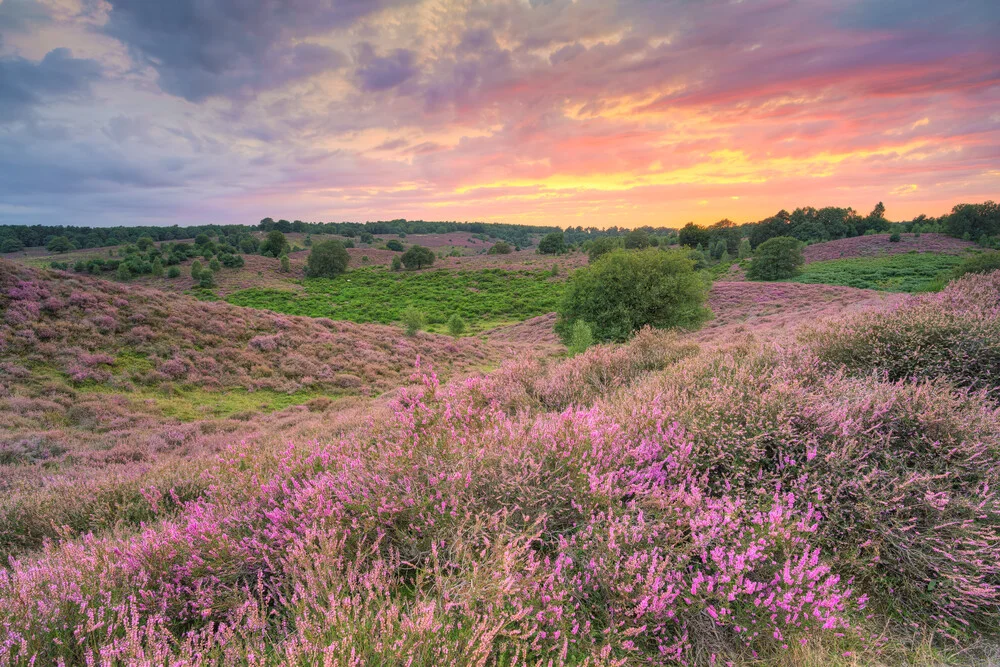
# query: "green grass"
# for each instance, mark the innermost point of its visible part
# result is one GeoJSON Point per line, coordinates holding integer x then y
{"type": "Point", "coordinates": [483, 298]}
{"type": "Point", "coordinates": [910, 272]}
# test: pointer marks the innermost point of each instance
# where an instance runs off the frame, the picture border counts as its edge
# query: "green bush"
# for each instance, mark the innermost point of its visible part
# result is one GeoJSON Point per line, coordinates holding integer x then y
{"type": "Point", "coordinates": [501, 248]}
{"type": "Point", "coordinates": [602, 246]}
{"type": "Point", "coordinates": [580, 338]}
{"type": "Point", "coordinates": [895, 237]}
{"type": "Point", "coordinates": [286, 265]}
{"type": "Point", "coordinates": [173, 272]}
{"type": "Point", "coordinates": [394, 245]}
{"type": "Point", "coordinates": [413, 320]}
{"type": "Point", "coordinates": [745, 250]}
{"type": "Point", "coordinates": [397, 264]}
{"type": "Point", "coordinates": [214, 265]}
{"type": "Point", "coordinates": [637, 239]}
{"type": "Point", "coordinates": [206, 280]}
{"type": "Point", "coordinates": [274, 245]}
{"type": "Point", "coordinates": [59, 244]}
{"type": "Point", "coordinates": [625, 291]}
{"type": "Point", "coordinates": [157, 269]}
{"type": "Point", "coordinates": [417, 257]}
{"type": "Point", "coordinates": [777, 259]}
{"type": "Point", "coordinates": [552, 244]}
{"type": "Point", "coordinates": [196, 269]}
{"type": "Point", "coordinates": [327, 259]}
{"type": "Point", "coordinates": [456, 325]}
{"type": "Point", "coordinates": [985, 262]}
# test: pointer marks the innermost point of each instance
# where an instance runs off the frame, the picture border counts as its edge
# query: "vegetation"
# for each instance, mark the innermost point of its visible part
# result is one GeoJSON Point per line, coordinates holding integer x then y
{"type": "Point", "coordinates": [601, 247]}
{"type": "Point", "coordinates": [59, 244]}
{"type": "Point", "coordinates": [776, 259]}
{"type": "Point", "coordinates": [274, 245]}
{"type": "Point", "coordinates": [456, 325]}
{"type": "Point", "coordinates": [625, 291]}
{"type": "Point", "coordinates": [418, 257]}
{"type": "Point", "coordinates": [909, 272]}
{"type": "Point", "coordinates": [483, 298]}
{"type": "Point", "coordinates": [552, 244]}
{"type": "Point", "coordinates": [580, 338]}
{"type": "Point", "coordinates": [500, 248]}
{"type": "Point", "coordinates": [394, 245]}
{"type": "Point", "coordinates": [413, 320]}
{"type": "Point", "coordinates": [327, 259]}
{"type": "Point", "coordinates": [978, 263]}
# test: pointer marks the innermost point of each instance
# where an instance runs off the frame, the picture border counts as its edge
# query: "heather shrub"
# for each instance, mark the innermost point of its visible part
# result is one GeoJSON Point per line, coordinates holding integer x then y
{"type": "Point", "coordinates": [954, 334]}
{"type": "Point", "coordinates": [626, 290]}
{"type": "Point", "coordinates": [776, 259]}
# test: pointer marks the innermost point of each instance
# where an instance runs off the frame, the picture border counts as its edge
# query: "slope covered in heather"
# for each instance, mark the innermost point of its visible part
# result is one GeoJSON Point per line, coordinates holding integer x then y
{"type": "Point", "coordinates": [648, 503]}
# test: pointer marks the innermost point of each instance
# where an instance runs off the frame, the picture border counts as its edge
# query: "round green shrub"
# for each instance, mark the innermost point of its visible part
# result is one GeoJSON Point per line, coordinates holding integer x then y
{"type": "Point", "coordinates": [777, 259]}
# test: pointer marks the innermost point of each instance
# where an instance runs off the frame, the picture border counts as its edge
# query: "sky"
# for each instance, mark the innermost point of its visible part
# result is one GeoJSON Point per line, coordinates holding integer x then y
{"type": "Point", "coordinates": [555, 112]}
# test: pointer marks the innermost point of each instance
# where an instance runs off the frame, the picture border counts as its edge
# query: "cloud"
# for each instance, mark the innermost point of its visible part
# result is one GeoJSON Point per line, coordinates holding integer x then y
{"type": "Point", "coordinates": [21, 15]}
{"type": "Point", "coordinates": [25, 85]}
{"type": "Point", "coordinates": [377, 73]}
{"type": "Point", "coordinates": [233, 48]}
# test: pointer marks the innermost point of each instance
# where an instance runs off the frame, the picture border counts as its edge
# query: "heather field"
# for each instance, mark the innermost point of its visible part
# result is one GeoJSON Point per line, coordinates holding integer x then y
{"type": "Point", "coordinates": [879, 245]}
{"type": "Point", "coordinates": [190, 482]}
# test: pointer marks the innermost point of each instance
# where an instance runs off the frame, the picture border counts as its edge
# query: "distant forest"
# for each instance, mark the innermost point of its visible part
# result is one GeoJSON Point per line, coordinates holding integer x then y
{"type": "Point", "coordinates": [975, 222]}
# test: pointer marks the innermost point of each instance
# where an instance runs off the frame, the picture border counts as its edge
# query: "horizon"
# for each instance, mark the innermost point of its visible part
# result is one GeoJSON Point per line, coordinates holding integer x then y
{"type": "Point", "coordinates": [559, 113]}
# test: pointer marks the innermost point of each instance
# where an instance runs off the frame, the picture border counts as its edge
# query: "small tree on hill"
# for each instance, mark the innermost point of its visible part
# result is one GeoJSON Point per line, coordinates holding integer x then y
{"type": "Point", "coordinates": [397, 264]}
{"type": "Point", "coordinates": [11, 244]}
{"type": "Point", "coordinates": [500, 248]}
{"type": "Point", "coordinates": [327, 259]}
{"type": "Point", "coordinates": [274, 245]}
{"type": "Point", "coordinates": [286, 265]}
{"type": "Point", "coordinates": [214, 265]}
{"type": "Point", "coordinates": [418, 257]}
{"type": "Point", "coordinates": [413, 320]}
{"type": "Point", "coordinates": [144, 243]}
{"type": "Point", "coordinates": [625, 291]}
{"type": "Point", "coordinates": [552, 244]}
{"type": "Point", "coordinates": [59, 244]}
{"type": "Point", "coordinates": [157, 268]}
{"type": "Point", "coordinates": [196, 269]}
{"type": "Point", "coordinates": [456, 325]}
{"type": "Point", "coordinates": [394, 245]}
{"type": "Point", "coordinates": [776, 259]}
{"type": "Point", "coordinates": [603, 246]}
{"type": "Point", "coordinates": [206, 280]}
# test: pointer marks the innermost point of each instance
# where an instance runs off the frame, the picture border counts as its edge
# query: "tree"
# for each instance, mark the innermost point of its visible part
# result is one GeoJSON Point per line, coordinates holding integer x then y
{"type": "Point", "coordinates": [637, 239]}
{"type": "Point", "coordinates": [776, 259]}
{"type": "Point", "coordinates": [367, 237]}
{"type": "Point", "coordinates": [625, 291]}
{"type": "Point", "coordinates": [173, 272]}
{"type": "Point", "coordinates": [248, 244]}
{"type": "Point", "coordinates": [327, 259]}
{"type": "Point", "coordinates": [394, 245]}
{"type": "Point", "coordinates": [456, 325]}
{"type": "Point", "coordinates": [214, 265]}
{"type": "Point", "coordinates": [418, 257]}
{"type": "Point", "coordinates": [692, 235]}
{"type": "Point", "coordinates": [500, 248]}
{"type": "Point", "coordinates": [123, 273]}
{"type": "Point", "coordinates": [59, 244]}
{"type": "Point", "coordinates": [196, 269]}
{"type": "Point", "coordinates": [274, 245]}
{"type": "Point", "coordinates": [201, 239]}
{"type": "Point", "coordinates": [286, 265]}
{"type": "Point", "coordinates": [157, 268]}
{"type": "Point", "coordinates": [144, 243]}
{"type": "Point", "coordinates": [413, 320]}
{"type": "Point", "coordinates": [397, 264]}
{"type": "Point", "coordinates": [206, 280]}
{"type": "Point", "coordinates": [602, 246]}
{"type": "Point", "coordinates": [11, 244]}
{"type": "Point", "coordinates": [744, 249]}
{"type": "Point", "coordinates": [552, 244]}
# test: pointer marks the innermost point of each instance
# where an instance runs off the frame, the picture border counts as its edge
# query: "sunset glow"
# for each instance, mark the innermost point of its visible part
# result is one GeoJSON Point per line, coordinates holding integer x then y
{"type": "Point", "coordinates": [568, 112]}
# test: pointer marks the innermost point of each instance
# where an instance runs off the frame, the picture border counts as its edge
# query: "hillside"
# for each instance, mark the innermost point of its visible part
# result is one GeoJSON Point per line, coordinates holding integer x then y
{"type": "Point", "coordinates": [878, 245]}
{"type": "Point", "coordinates": [651, 502]}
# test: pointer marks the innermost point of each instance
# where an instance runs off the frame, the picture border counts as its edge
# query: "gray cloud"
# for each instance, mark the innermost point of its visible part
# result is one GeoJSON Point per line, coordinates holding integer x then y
{"type": "Point", "coordinates": [26, 84]}
{"type": "Point", "coordinates": [375, 73]}
{"type": "Point", "coordinates": [233, 48]}
{"type": "Point", "coordinates": [20, 15]}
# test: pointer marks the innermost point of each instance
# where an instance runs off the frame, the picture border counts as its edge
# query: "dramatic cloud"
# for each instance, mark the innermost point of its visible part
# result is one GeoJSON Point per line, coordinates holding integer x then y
{"type": "Point", "coordinates": [25, 85]}
{"type": "Point", "coordinates": [589, 112]}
